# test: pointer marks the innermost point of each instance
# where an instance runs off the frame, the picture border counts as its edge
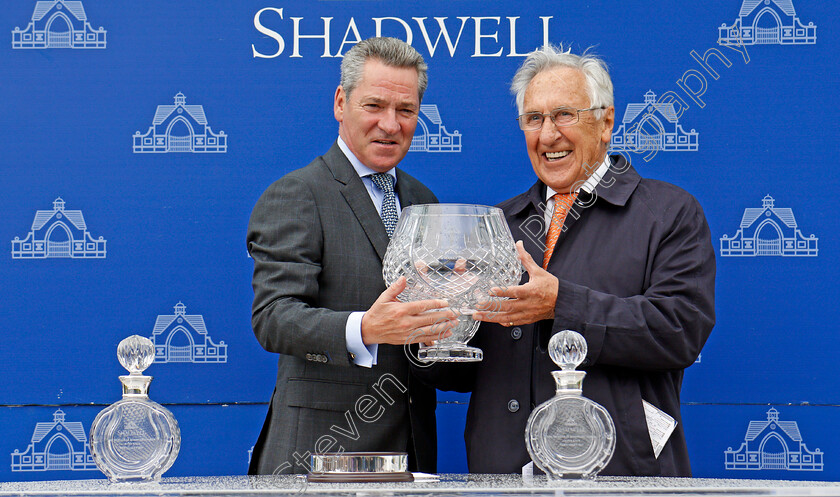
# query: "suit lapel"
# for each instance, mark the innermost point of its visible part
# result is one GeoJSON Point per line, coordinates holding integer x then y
{"type": "Point", "coordinates": [357, 197]}
{"type": "Point", "coordinates": [536, 247]}
{"type": "Point", "coordinates": [405, 192]}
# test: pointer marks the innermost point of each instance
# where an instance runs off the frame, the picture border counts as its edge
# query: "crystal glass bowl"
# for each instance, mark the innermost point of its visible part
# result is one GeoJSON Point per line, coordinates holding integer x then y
{"type": "Point", "coordinates": [456, 252]}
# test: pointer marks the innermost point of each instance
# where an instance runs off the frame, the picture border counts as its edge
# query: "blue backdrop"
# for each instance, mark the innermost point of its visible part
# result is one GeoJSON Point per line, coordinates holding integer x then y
{"type": "Point", "coordinates": [137, 136]}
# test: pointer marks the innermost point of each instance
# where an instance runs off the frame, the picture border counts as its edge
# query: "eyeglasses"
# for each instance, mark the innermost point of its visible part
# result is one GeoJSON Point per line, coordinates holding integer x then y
{"type": "Point", "coordinates": [561, 116]}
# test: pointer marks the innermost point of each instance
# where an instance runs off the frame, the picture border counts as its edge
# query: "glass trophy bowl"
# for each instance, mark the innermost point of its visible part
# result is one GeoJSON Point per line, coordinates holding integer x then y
{"type": "Point", "coordinates": [569, 436]}
{"type": "Point", "coordinates": [456, 252]}
{"type": "Point", "coordinates": [135, 439]}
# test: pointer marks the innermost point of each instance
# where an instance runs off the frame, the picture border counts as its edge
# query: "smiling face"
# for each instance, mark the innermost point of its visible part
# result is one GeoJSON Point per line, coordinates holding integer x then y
{"type": "Point", "coordinates": [377, 120]}
{"type": "Point", "coordinates": [564, 157]}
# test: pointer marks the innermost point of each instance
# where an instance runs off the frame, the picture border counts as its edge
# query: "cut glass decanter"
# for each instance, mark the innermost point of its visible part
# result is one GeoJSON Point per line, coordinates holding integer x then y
{"type": "Point", "coordinates": [570, 436]}
{"type": "Point", "coordinates": [135, 439]}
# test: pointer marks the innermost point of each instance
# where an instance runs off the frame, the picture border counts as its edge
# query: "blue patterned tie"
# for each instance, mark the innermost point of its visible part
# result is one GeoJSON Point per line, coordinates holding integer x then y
{"type": "Point", "coordinates": [385, 182]}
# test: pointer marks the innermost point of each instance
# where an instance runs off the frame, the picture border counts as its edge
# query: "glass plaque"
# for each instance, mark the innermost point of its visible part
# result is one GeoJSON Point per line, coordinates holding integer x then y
{"type": "Point", "coordinates": [135, 439]}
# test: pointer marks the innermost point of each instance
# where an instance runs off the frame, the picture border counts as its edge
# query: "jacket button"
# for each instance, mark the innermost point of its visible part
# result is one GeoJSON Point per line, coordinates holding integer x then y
{"type": "Point", "coordinates": [308, 357]}
{"type": "Point", "coordinates": [516, 333]}
{"type": "Point", "coordinates": [513, 405]}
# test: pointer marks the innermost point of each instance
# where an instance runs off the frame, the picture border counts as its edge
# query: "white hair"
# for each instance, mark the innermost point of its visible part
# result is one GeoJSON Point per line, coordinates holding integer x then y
{"type": "Point", "coordinates": [599, 87]}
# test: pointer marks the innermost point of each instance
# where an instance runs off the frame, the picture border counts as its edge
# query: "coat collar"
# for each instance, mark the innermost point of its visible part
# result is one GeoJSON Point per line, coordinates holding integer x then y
{"type": "Point", "coordinates": [615, 187]}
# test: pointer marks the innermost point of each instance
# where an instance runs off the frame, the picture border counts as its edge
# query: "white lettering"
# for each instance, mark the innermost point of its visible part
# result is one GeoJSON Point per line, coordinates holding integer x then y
{"type": "Point", "coordinates": [409, 35]}
{"type": "Point", "coordinates": [351, 25]}
{"type": "Point", "coordinates": [297, 36]}
{"type": "Point", "coordinates": [268, 32]}
{"type": "Point", "coordinates": [479, 36]}
{"type": "Point", "coordinates": [443, 32]}
{"type": "Point", "coordinates": [513, 53]}
{"type": "Point", "coordinates": [545, 29]}
{"type": "Point", "coordinates": [390, 26]}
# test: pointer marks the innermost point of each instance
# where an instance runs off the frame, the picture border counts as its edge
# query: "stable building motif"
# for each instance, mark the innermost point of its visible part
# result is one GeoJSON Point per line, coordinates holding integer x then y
{"type": "Point", "coordinates": [767, 22]}
{"type": "Point", "coordinates": [183, 337]}
{"type": "Point", "coordinates": [57, 446]}
{"type": "Point", "coordinates": [431, 135]}
{"type": "Point", "coordinates": [180, 128]}
{"type": "Point", "coordinates": [58, 24]}
{"type": "Point", "coordinates": [773, 445]}
{"type": "Point", "coordinates": [652, 126]}
{"type": "Point", "coordinates": [768, 230]}
{"type": "Point", "coordinates": [58, 233]}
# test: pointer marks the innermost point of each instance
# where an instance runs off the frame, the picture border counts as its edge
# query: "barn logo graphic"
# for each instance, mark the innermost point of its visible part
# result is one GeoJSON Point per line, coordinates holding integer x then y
{"type": "Point", "coordinates": [58, 233]}
{"type": "Point", "coordinates": [180, 128]}
{"type": "Point", "coordinates": [183, 337]}
{"type": "Point", "coordinates": [59, 445]}
{"type": "Point", "coordinates": [768, 230]}
{"type": "Point", "coordinates": [767, 22]}
{"type": "Point", "coordinates": [773, 445]}
{"type": "Point", "coordinates": [431, 135]}
{"type": "Point", "coordinates": [653, 126]}
{"type": "Point", "coordinates": [58, 24]}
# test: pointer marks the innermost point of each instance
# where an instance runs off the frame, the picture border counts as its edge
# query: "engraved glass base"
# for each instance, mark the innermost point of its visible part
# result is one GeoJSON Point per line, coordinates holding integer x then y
{"type": "Point", "coordinates": [570, 437]}
{"type": "Point", "coordinates": [135, 440]}
{"type": "Point", "coordinates": [450, 352]}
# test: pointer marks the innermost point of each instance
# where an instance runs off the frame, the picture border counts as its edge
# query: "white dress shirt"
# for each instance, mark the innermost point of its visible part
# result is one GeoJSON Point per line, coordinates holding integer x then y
{"type": "Point", "coordinates": [361, 354]}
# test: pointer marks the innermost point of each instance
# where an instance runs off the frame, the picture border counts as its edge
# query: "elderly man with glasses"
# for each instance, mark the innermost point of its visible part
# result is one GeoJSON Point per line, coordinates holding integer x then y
{"type": "Point", "coordinates": [626, 261]}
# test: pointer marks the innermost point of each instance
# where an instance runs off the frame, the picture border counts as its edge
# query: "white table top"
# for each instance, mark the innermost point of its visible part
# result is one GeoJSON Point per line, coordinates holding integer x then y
{"type": "Point", "coordinates": [449, 485]}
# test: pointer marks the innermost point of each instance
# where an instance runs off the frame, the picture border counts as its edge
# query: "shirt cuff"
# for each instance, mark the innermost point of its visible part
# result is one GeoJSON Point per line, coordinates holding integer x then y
{"type": "Point", "coordinates": [360, 354]}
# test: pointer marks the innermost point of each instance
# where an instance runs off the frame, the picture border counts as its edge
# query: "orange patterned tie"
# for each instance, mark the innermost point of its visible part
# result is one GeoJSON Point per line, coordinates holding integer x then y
{"type": "Point", "coordinates": [562, 203]}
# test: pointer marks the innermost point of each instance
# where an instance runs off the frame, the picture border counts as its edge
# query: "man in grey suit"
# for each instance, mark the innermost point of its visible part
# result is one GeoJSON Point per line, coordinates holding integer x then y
{"type": "Point", "coordinates": [317, 237]}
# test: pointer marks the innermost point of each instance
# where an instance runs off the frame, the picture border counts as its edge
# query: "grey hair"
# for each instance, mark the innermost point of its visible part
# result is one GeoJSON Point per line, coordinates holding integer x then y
{"type": "Point", "coordinates": [599, 87]}
{"type": "Point", "coordinates": [391, 52]}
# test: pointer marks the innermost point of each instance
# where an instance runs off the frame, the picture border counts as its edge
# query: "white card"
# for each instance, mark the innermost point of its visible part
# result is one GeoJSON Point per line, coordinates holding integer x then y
{"type": "Point", "coordinates": [660, 426]}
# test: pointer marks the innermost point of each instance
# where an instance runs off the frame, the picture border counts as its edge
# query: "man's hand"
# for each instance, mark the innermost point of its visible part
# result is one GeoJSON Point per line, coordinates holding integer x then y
{"type": "Point", "coordinates": [391, 321]}
{"type": "Point", "coordinates": [528, 303]}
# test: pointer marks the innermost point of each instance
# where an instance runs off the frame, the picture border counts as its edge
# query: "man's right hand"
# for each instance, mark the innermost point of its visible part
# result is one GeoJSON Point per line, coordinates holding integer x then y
{"type": "Point", "coordinates": [393, 322]}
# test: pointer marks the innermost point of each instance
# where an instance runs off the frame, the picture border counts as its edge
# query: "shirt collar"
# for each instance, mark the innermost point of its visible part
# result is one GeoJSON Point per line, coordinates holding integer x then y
{"type": "Point", "coordinates": [591, 182]}
{"type": "Point", "coordinates": [617, 186]}
{"type": "Point", "coordinates": [361, 169]}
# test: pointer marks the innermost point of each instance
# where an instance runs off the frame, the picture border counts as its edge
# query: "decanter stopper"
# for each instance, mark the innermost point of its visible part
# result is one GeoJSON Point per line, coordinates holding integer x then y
{"type": "Point", "coordinates": [136, 353]}
{"type": "Point", "coordinates": [569, 435]}
{"type": "Point", "coordinates": [567, 349]}
{"type": "Point", "coordinates": [135, 439]}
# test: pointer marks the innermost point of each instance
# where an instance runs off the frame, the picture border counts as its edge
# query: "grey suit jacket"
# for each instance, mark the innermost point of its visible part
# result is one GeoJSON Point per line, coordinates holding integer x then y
{"type": "Point", "coordinates": [317, 243]}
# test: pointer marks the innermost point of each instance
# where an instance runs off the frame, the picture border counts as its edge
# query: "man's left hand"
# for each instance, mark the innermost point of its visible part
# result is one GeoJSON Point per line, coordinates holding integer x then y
{"type": "Point", "coordinates": [528, 303]}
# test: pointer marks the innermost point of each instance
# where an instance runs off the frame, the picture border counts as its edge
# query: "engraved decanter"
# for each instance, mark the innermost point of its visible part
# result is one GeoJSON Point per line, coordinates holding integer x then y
{"type": "Point", "coordinates": [569, 436]}
{"type": "Point", "coordinates": [135, 439]}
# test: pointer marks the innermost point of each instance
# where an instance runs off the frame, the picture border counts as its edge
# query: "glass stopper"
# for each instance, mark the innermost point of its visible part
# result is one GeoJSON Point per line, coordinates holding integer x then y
{"type": "Point", "coordinates": [136, 353]}
{"type": "Point", "coordinates": [567, 349]}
